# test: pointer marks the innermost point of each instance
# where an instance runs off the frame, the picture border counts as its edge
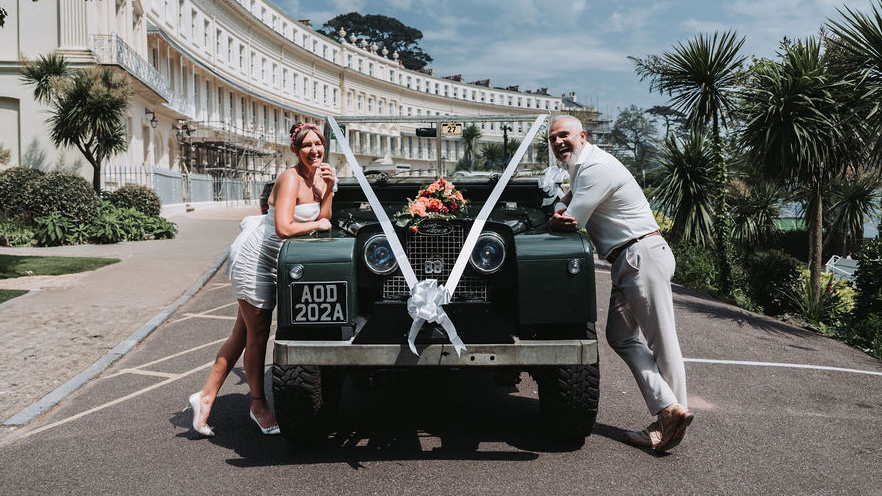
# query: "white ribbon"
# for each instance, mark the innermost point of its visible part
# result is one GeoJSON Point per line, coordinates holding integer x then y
{"type": "Point", "coordinates": [427, 298]}
{"type": "Point", "coordinates": [550, 183]}
{"type": "Point", "coordinates": [424, 305]}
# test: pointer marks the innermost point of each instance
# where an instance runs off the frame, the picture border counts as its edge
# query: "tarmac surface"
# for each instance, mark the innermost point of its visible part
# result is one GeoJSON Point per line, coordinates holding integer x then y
{"type": "Point", "coordinates": [69, 328]}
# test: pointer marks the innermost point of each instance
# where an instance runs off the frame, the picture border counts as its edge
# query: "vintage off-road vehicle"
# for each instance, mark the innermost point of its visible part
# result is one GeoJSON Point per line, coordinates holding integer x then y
{"type": "Point", "coordinates": [526, 302]}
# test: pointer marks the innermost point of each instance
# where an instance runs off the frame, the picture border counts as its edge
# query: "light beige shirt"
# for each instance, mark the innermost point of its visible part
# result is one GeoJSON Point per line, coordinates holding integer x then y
{"type": "Point", "coordinates": [607, 201]}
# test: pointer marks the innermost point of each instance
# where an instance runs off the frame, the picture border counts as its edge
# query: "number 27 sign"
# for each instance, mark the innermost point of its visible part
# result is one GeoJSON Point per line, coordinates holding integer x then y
{"type": "Point", "coordinates": [451, 129]}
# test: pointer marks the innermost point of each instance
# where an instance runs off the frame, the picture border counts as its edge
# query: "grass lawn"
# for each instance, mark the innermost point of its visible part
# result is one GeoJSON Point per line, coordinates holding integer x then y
{"type": "Point", "coordinates": [18, 266]}
{"type": "Point", "coordinates": [8, 294]}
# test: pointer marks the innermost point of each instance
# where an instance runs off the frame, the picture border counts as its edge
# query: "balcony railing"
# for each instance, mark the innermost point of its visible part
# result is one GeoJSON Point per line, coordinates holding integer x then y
{"type": "Point", "coordinates": [112, 50]}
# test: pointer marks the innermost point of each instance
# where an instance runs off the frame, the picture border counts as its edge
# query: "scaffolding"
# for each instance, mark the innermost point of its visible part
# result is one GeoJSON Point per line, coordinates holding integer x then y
{"type": "Point", "coordinates": [237, 159]}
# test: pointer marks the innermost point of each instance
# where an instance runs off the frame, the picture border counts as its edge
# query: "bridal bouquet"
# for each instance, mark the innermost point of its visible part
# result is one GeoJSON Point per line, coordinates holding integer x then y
{"type": "Point", "coordinates": [439, 200]}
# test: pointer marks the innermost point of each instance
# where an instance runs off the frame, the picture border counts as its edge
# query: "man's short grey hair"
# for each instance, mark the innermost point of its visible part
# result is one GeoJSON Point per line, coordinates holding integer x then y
{"type": "Point", "coordinates": [567, 117]}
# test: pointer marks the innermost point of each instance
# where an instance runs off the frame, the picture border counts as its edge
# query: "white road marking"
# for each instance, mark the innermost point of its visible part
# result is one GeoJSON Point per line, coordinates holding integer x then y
{"type": "Point", "coordinates": [129, 370]}
{"type": "Point", "coordinates": [206, 313]}
{"type": "Point", "coordinates": [169, 378]}
{"type": "Point", "coordinates": [204, 316]}
{"type": "Point", "coordinates": [119, 400]}
{"type": "Point", "coordinates": [782, 365]}
{"type": "Point", "coordinates": [151, 373]}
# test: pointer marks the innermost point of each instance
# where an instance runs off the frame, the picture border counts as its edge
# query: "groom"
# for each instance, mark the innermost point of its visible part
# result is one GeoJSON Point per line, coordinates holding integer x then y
{"type": "Point", "coordinates": [605, 199]}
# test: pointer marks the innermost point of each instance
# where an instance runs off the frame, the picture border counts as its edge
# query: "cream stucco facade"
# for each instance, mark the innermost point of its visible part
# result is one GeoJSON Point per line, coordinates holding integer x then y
{"type": "Point", "coordinates": [218, 83]}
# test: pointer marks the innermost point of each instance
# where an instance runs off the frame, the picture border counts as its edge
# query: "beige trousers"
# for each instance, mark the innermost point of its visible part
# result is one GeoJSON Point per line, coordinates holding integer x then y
{"type": "Point", "coordinates": [641, 302]}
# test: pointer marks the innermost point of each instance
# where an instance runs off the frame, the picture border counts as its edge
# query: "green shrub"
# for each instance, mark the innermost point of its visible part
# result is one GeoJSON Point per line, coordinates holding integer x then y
{"type": "Point", "coordinates": [79, 234]}
{"type": "Point", "coordinates": [64, 193]}
{"type": "Point", "coordinates": [664, 223]}
{"type": "Point", "coordinates": [868, 279]}
{"type": "Point", "coordinates": [771, 276]}
{"type": "Point", "coordinates": [107, 228]}
{"type": "Point", "coordinates": [830, 308]}
{"type": "Point", "coordinates": [132, 222]}
{"type": "Point", "coordinates": [52, 229]}
{"type": "Point", "coordinates": [15, 233]}
{"type": "Point", "coordinates": [13, 182]}
{"type": "Point", "coordinates": [865, 333]}
{"type": "Point", "coordinates": [141, 198]}
{"type": "Point", "coordinates": [696, 267]}
{"type": "Point", "coordinates": [160, 228]}
{"type": "Point", "coordinates": [794, 243]}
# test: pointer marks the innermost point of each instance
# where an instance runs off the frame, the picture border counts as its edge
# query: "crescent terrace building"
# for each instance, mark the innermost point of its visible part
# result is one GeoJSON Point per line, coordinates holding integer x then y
{"type": "Point", "coordinates": [218, 84]}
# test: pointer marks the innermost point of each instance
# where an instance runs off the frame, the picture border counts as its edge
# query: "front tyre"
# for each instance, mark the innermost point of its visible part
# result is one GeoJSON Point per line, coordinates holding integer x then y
{"type": "Point", "coordinates": [306, 400]}
{"type": "Point", "coordinates": [568, 399]}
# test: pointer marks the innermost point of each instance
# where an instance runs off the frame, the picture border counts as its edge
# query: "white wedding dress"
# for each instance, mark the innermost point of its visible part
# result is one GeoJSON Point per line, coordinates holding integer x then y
{"type": "Point", "coordinates": [254, 254]}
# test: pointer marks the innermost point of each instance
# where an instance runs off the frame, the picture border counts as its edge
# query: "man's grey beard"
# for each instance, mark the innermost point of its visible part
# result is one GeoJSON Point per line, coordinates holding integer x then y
{"type": "Point", "coordinates": [574, 156]}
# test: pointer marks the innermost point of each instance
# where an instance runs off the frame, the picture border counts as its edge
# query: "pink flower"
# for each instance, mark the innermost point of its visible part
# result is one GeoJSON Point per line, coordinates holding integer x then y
{"type": "Point", "coordinates": [417, 208]}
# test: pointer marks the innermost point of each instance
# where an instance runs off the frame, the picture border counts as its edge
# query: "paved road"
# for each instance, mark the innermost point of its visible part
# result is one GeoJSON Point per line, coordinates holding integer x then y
{"type": "Point", "coordinates": [810, 427]}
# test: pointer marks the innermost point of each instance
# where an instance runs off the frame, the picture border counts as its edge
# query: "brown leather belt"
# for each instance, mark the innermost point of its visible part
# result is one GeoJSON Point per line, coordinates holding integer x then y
{"type": "Point", "coordinates": [613, 255]}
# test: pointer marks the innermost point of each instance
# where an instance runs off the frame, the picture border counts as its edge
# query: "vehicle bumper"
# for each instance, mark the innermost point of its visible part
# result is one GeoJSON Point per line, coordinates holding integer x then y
{"type": "Point", "coordinates": [521, 352]}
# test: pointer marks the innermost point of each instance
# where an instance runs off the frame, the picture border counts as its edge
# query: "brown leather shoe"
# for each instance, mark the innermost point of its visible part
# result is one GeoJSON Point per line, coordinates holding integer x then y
{"type": "Point", "coordinates": [673, 421]}
{"type": "Point", "coordinates": [647, 438]}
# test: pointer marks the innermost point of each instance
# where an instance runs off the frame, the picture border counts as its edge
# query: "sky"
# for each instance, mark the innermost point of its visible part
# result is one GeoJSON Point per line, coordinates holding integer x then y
{"type": "Point", "coordinates": [580, 46]}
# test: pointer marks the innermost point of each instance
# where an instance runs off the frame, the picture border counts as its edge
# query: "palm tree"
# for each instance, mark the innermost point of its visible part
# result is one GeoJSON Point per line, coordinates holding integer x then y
{"type": "Point", "coordinates": [685, 191]}
{"type": "Point", "coordinates": [492, 155]}
{"type": "Point", "coordinates": [470, 134]}
{"type": "Point", "coordinates": [854, 198]}
{"type": "Point", "coordinates": [793, 129]}
{"type": "Point", "coordinates": [701, 78]}
{"type": "Point", "coordinates": [88, 108]}
{"type": "Point", "coordinates": [754, 210]}
{"type": "Point", "coordinates": [858, 41]}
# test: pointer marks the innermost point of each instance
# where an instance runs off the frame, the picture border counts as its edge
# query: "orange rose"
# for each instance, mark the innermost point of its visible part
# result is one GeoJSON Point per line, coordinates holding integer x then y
{"type": "Point", "coordinates": [417, 208]}
{"type": "Point", "coordinates": [435, 205]}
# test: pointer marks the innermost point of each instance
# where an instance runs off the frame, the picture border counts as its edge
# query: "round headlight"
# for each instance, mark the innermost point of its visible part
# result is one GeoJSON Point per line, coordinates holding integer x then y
{"type": "Point", "coordinates": [489, 253]}
{"type": "Point", "coordinates": [574, 266]}
{"type": "Point", "coordinates": [378, 255]}
{"type": "Point", "coordinates": [295, 272]}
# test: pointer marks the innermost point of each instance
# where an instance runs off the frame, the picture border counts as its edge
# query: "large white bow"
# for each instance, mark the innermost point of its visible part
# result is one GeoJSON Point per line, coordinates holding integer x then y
{"type": "Point", "coordinates": [424, 305]}
{"type": "Point", "coordinates": [550, 183]}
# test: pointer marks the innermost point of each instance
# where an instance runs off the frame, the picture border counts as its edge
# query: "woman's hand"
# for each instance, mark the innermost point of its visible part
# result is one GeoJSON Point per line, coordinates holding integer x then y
{"type": "Point", "coordinates": [327, 174]}
{"type": "Point", "coordinates": [324, 225]}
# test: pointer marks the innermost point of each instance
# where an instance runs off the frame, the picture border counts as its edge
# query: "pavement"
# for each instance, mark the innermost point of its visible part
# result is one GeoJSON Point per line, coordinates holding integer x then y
{"type": "Point", "coordinates": [68, 329]}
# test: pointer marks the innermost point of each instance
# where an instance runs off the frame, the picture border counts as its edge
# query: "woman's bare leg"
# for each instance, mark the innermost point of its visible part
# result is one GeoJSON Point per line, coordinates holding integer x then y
{"type": "Point", "coordinates": [257, 325]}
{"type": "Point", "coordinates": [226, 359]}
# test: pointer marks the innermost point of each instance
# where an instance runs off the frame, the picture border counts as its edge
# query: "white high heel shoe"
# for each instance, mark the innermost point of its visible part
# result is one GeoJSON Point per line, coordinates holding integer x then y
{"type": "Point", "coordinates": [195, 404]}
{"type": "Point", "coordinates": [268, 430]}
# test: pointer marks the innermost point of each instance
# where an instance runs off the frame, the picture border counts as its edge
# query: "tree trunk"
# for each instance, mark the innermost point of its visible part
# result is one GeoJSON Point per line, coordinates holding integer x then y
{"type": "Point", "coordinates": [816, 219]}
{"type": "Point", "coordinates": [722, 230]}
{"type": "Point", "coordinates": [96, 177]}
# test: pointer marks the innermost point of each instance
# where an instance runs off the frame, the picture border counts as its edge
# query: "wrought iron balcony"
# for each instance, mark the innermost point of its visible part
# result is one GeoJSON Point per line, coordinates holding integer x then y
{"type": "Point", "coordinates": [112, 50]}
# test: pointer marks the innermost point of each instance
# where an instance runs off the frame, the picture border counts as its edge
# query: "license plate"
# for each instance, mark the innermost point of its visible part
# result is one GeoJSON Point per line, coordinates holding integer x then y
{"type": "Point", "coordinates": [318, 303]}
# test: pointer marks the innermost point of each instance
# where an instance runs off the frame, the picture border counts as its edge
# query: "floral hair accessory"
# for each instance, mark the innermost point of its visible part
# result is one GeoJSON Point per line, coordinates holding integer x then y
{"type": "Point", "coordinates": [301, 128]}
{"type": "Point", "coordinates": [439, 200]}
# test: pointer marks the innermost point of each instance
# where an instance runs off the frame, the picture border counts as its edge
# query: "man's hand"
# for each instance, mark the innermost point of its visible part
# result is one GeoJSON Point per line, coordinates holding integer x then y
{"type": "Point", "coordinates": [561, 222]}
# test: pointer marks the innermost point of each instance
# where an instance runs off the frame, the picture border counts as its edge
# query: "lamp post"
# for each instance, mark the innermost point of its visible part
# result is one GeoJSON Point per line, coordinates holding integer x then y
{"type": "Point", "coordinates": [505, 129]}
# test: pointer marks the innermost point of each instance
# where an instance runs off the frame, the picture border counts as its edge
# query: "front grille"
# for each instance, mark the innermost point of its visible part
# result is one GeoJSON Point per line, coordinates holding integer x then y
{"type": "Point", "coordinates": [433, 257]}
